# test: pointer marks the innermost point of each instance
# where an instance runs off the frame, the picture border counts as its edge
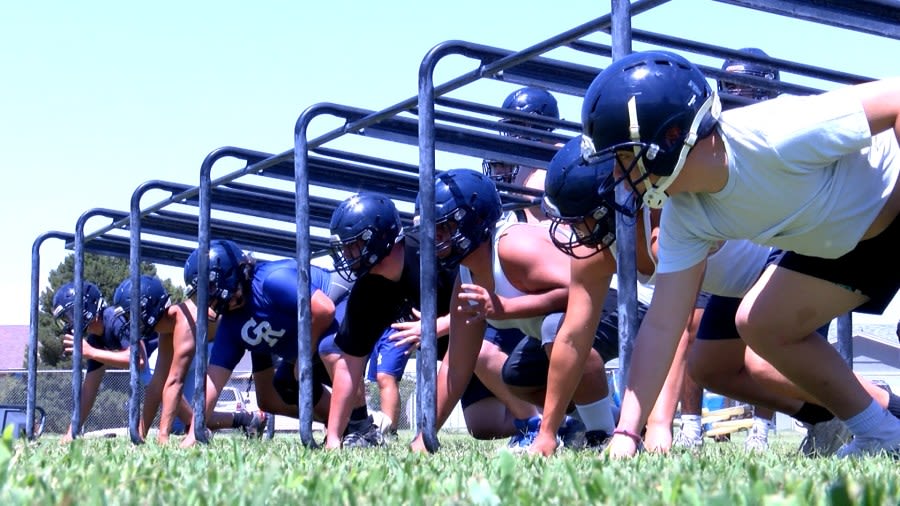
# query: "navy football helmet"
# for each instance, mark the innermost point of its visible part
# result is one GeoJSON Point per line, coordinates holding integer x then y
{"type": "Point", "coordinates": [154, 301]}
{"type": "Point", "coordinates": [227, 271]}
{"type": "Point", "coordinates": [364, 228]}
{"type": "Point", "coordinates": [529, 100]}
{"type": "Point", "coordinates": [654, 105]}
{"type": "Point", "coordinates": [532, 100]}
{"type": "Point", "coordinates": [579, 199]}
{"type": "Point", "coordinates": [737, 66]}
{"type": "Point", "coordinates": [467, 207]}
{"type": "Point", "coordinates": [64, 305]}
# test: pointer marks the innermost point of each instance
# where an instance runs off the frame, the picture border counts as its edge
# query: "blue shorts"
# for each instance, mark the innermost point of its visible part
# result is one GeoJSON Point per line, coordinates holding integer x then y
{"type": "Point", "coordinates": [327, 345]}
{"type": "Point", "coordinates": [474, 392]}
{"type": "Point", "coordinates": [505, 339]}
{"type": "Point", "coordinates": [386, 358]}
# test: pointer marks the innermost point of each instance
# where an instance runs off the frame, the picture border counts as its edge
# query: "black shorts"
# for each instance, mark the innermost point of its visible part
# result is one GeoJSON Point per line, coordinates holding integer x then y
{"type": "Point", "coordinates": [527, 364]}
{"type": "Point", "coordinates": [718, 324]}
{"type": "Point", "coordinates": [288, 387]}
{"type": "Point", "coordinates": [868, 269]}
{"type": "Point", "coordinates": [606, 337]}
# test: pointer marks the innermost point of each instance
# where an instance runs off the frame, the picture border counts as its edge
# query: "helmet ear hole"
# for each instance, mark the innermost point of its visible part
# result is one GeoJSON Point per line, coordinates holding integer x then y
{"type": "Point", "coordinates": [246, 272]}
{"type": "Point", "coordinates": [364, 229]}
{"type": "Point", "coordinates": [64, 304]}
{"type": "Point", "coordinates": [467, 207]}
{"type": "Point", "coordinates": [658, 91]}
{"type": "Point", "coordinates": [229, 266]}
{"type": "Point", "coordinates": [579, 199]}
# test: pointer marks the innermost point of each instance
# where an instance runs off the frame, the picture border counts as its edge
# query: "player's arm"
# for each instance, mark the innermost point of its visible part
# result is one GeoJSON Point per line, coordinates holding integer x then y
{"type": "Point", "coordinates": [154, 390]}
{"type": "Point", "coordinates": [182, 349]}
{"type": "Point", "coordinates": [89, 388]}
{"type": "Point", "coordinates": [118, 359]}
{"type": "Point", "coordinates": [654, 349]}
{"type": "Point", "coordinates": [458, 364]}
{"type": "Point", "coordinates": [589, 286]}
{"type": "Point", "coordinates": [534, 266]}
{"type": "Point", "coordinates": [348, 372]}
{"type": "Point", "coordinates": [322, 314]}
{"type": "Point", "coordinates": [216, 377]}
{"type": "Point", "coordinates": [881, 101]}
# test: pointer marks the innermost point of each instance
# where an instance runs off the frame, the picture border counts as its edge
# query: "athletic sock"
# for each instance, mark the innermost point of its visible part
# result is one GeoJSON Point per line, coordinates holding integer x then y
{"type": "Point", "coordinates": [762, 424]}
{"type": "Point", "coordinates": [812, 414]}
{"type": "Point", "coordinates": [874, 422]}
{"type": "Point", "coordinates": [894, 405]}
{"type": "Point", "coordinates": [597, 415]}
{"type": "Point", "coordinates": [691, 426]}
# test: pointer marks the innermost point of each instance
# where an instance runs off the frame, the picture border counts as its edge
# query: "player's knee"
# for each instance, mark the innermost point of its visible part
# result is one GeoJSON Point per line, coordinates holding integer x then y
{"type": "Point", "coordinates": [757, 366]}
{"type": "Point", "coordinates": [753, 330]}
{"type": "Point", "coordinates": [594, 363]}
{"type": "Point", "coordinates": [268, 406]}
{"type": "Point", "coordinates": [700, 367]}
{"type": "Point", "coordinates": [386, 381]}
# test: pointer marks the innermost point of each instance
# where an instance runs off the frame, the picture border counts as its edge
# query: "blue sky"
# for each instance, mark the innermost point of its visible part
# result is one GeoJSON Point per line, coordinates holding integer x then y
{"type": "Point", "coordinates": [100, 96]}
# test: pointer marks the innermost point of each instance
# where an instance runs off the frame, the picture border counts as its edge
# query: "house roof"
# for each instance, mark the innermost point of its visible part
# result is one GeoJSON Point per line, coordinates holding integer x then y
{"type": "Point", "coordinates": [13, 343]}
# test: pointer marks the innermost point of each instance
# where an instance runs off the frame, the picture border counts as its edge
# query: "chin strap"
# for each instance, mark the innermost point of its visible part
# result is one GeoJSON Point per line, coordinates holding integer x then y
{"type": "Point", "coordinates": [634, 130]}
{"type": "Point", "coordinates": [655, 195]}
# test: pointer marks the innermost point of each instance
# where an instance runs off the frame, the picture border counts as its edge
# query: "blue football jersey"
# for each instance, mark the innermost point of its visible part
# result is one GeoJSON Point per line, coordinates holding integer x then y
{"type": "Point", "coordinates": [267, 323]}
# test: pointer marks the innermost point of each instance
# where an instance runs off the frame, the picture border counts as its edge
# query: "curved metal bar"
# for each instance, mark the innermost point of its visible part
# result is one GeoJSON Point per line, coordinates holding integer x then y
{"type": "Point", "coordinates": [845, 337]}
{"type": "Point", "coordinates": [626, 257]}
{"type": "Point", "coordinates": [199, 401]}
{"type": "Point", "coordinates": [31, 391]}
{"type": "Point", "coordinates": [304, 309]}
{"type": "Point", "coordinates": [134, 270]}
{"type": "Point", "coordinates": [426, 356]}
{"type": "Point", "coordinates": [79, 316]}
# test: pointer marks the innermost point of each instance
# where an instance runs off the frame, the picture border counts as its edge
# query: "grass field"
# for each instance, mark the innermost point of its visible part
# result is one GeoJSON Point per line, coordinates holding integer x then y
{"type": "Point", "coordinates": [232, 470]}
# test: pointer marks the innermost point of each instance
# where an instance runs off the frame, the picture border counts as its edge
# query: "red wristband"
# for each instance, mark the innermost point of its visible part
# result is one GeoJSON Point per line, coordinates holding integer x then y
{"type": "Point", "coordinates": [634, 437]}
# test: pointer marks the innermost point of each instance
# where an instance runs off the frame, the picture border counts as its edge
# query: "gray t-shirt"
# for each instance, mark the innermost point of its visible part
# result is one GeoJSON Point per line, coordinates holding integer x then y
{"type": "Point", "coordinates": [805, 175]}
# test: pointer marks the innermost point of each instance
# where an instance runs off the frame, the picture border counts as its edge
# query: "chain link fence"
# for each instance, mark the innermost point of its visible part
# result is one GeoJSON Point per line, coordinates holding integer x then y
{"type": "Point", "coordinates": [110, 411]}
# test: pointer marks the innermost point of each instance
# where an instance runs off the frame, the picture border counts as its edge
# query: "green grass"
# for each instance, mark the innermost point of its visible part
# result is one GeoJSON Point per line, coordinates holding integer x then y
{"type": "Point", "coordinates": [234, 471]}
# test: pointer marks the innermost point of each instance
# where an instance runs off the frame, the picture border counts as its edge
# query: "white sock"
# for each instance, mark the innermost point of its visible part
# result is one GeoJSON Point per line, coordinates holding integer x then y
{"type": "Point", "coordinates": [875, 422]}
{"type": "Point", "coordinates": [762, 425]}
{"type": "Point", "coordinates": [691, 426]}
{"type": "Point", "coordinates": [597, 415]}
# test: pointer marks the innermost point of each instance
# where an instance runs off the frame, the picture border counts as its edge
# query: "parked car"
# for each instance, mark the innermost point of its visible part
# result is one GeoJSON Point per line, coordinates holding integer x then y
{"type": "Point", "coordinates": [231, 400]}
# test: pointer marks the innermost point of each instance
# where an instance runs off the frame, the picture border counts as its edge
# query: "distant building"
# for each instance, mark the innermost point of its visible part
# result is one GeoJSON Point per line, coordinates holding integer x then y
{"type": "Point", "coordinates": [13, 343]}
{"type": "Point", "coordinates": [876, 354]}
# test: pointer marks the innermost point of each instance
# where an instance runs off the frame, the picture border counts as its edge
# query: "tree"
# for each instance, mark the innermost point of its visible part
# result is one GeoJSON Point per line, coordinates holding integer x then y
{"type": "Point", "coordinates": [104, 271]}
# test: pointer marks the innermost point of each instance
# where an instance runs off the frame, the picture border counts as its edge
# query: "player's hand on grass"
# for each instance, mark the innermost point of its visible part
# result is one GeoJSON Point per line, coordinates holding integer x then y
{"type": "Point", "coordinates": [418, 444]}
{"type": "Point", "coordinates": [189, 440]}
{"type": "Point", "coordinates": [544, 444]}
{"type": "Point", "coordinates": [332, 443]}
{"type": "Point", "coordinates": [621, 446]}
{"type": "Point", "coordinates": [658, 438]}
